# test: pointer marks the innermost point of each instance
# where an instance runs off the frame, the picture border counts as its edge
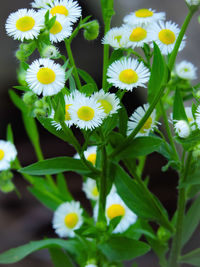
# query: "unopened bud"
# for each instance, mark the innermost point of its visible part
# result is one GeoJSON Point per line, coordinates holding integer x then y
{"type": "Point", "coordinates": [91, 30]}
{"type": "Point", "coordinates": [50, 51]}
{"type": "Point", "coordinates": [29, 98]}
{"type": "Point", "coordinates": [182, 129]}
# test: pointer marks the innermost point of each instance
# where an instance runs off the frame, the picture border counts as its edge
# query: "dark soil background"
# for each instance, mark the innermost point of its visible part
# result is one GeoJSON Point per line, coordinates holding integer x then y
{"type": "Point", "coordinates": [24, 219]}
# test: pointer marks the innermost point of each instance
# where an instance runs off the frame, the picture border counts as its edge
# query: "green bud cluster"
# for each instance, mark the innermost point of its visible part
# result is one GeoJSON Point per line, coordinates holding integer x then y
{"type": "Point", "coordinates": [6, 185]}
{"type": "Point", "coordinates": [91, 30]}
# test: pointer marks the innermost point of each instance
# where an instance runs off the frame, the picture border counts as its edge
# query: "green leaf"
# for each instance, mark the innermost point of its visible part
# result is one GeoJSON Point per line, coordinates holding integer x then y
{"type": "Point", "coordinates": [138, 198]}
{"type": "Point", "coordinates": [116, 55]}
{"type": "Point", "coordinates": [16, 254]}
{"type": "Point", "coordinates": [123, 248]}
{"type": "Point", "coordinates": [18, 101]}
{"type": "Point", "coordinates": [68, 73]}
{"type": "Point", "coordinates": [192, 257]}
{"type": "Point", "coordinates": [191, 220]}
{"type": "Point", "coordinates": [50, 23]}
{"type": "Point", "coordinates": [140, 146]}
{"type": "Point", "coordinates": [123, 120]}
{"type": "Point", "coordinates": [157, 74]}
{"type": "Point", "coordinates": [56, 165]}
{"type": "Point", "coordinates": [178, 107]}
{"type": "Point", "coordinates": [62, 187]}
{"type": "Point", "coordinates": [87, 78]}
{"type": "Point", "coordinates": [9, 135]}
{"type": "Point", "coordinates": [87, 89]}
{"type": "Point", "coordinates": [22, 88]}
{"type": "Point", "coordinates": [72, 84]}
{"type": "Point", "coordinates": [191, 141]}
{"type": "Point", "coordinates": [109, 124]}
{"type": "Point", "coordinates": [60, 258]}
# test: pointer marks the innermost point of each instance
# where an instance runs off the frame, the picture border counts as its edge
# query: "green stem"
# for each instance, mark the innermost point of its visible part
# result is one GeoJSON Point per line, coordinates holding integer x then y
{"type": "Point", "coordinates": [71, 59]}
{"type": "Point", "coordinates": [140, 166]}
{"type": "Point", "coordinates": [176, 244]}
{"type": "Point", "coordinates": [171, 140]}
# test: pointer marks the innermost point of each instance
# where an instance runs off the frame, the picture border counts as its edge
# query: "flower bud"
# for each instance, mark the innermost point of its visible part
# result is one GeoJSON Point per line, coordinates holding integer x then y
{"type": "Point", "coordinates": [29, 98]}
{"type": "Point", "coordinates": [196, 151]}
{"type": "Point", "coordinates": [182, 129]}
{"type": "Point", "coordinates": [91, 30]}
{"type": "Point", "coordinates": [50, 51]}
{"type": "Point", "coordinates": [38, 112]}
{"type": "Point", "coordinates": [163, 234]}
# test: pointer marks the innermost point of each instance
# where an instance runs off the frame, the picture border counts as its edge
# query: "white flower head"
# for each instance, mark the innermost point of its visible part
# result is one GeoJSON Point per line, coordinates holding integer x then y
{"type": "Point", "coordinates": [45, 76]}
{"type": "Point", "coordinates": [8, 153]}
{"type": "Point", "coordinates": [190, 118]}
{"type": "Point", "coordinates": [197, 114]}
{"type": "Point", "coordinates": [127, 74]}
{"type": "Point", "coordinates": [182, 128]}
{"type": "Point", "coordinates": [50, 51]}
{"type": "Point", "coordinates": [115, 207]}
{"type": "Point", "coordinates": [135, 118]}
{"type": "Point", "coordinates": [143, 17]}
{"type": "Point", "coordinates": [41, 3]}
{"type": "Point", "coordinates": [137, 36]}
{"type": "Point", "coordinates": [186, 70]}
{"type": "Point", "coordinates": [90, 189]}
{"type": "Point", "coordinates": [90, 154]}
{"type": "Point", "coordinates": [60, 30]}
{"type": "Point", "coordinates": [67, 218]}
{"type": "Point", "coordinates": [109, 102]}
{"type": "Point", "coordinates": [193, 2]}
{"type": "Point", "coordinates": [91, 265]}
{"type": "Point", "coordinates": [24, 24]}
{"type": "Point", "coordinates": [116, 37]}
{"type": "Point", "coordinates": [86, 112]}
{"type": "Point", "coordinates": [165, 35]}
{"type": "Point", "coordinates": [68, 8]}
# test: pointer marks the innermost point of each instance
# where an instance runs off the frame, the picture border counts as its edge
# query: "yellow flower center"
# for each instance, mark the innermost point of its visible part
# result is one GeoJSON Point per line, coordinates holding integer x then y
{"type": "Point", "coordinates": [59, 10]}
{"type": "Point", "coordinates": [186, 69]}
{"type": "Point", "coordinates": [147, 125]}
{"type": "Point", "coordinates": [167, 36]}
{"type": "Point", "coordinates": [92, 158]}
{"type": "Point", "coordinates": [118, 38]}
{"type": "Point", "coordinates": [67, 115]}
{"type": "Point", "coordinates": [95, 191]}
{"type": "Point", "coordinates": [128, 76]}
{"type": "Point", "coordinates": [85, 113]}
{"type": "Point", "coordinates": [46, 76]}
{"type": "Point", "coordinates": [143, 13]}
{"type": "Point", "coordinates": [25, 24]}
{"type": "Point", "coordinates": [190, 119]}
{"type": "Point", "coordinates": [115, 210]}
{"type": "Point", "coordinates": [56, 28]}
{"type": "Point", "coordinates": [138, 34]}
{"type": "Point", "coordinates": [71, 220]}
{"type": "Point", "coordinates": [1, 154]}
{"type": "Point", "coordinates": [105, 105]}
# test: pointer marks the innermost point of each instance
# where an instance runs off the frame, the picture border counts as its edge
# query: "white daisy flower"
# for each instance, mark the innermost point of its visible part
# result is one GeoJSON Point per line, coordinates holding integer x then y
{"type": "Point", "coordinates": [109, 102]}
{"type": "Point", "coordinates": [193, 2]}
{"type": "Point", "coordinates": [70, 9]}
{"type": "Point", "coordinates": [116, 207]}
{"type": "Point", "coordinates": [135, 118]}
{"type": "Point", "coordinates": [67, 218]}
{"type": "Point", "coordinates": [86, 113]}
{"type": "Point", "coordinates": [138, 36]}
{"type": "Point", "coordinates": [190, 117]}
{"type": "Point", "coordinates": [8, 153]}
{"type": "Point", "coordinates": [197, 114]}
{"type": "Point", "coordinates": [91, 265]}
{"type": "Point", "coordinates": [143, 16]}
{"type": "Point", "coordinates": [24, 24]}
{"type": "Point", "coordinates": [41, 3]}
{"type": "Point", "coordinates": [182, 128]}
{"type": "Point", "coordinates": [165, 35]}
{"type": "Point", "coordinates": [116, 37]}
{"type": "Point", "coordinates": [128, 74]}
{"type": "Point", "coordinates": [90, 189]}
{"type": "Point", "coordinates": [186, 70]}
{"type": "Point", "coordinates": [46, 77]}
{"type": "Point", "coordinates": [50, 51]}
{"type": "Point", "coordinates": [60, 30]}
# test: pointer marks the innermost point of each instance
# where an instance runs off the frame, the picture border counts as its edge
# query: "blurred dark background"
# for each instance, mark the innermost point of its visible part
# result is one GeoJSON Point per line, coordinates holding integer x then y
{"type": "Point", "coordinates": [24, 219]}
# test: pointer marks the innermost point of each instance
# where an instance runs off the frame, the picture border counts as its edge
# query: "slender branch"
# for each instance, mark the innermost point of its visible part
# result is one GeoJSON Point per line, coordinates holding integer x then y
{"type": "Point", "coordinates": [71, 59]}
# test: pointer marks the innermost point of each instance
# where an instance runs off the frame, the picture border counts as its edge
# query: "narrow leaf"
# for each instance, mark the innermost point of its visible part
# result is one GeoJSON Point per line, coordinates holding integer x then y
{"type": "Point", "coordinates": [178, 108]}
{"type": "Point", "coordinates": [192, 257]}
{"type": "Point", "coordinates": [10, 134]}
{"type": "Point", "coordinates": [87, 78]}
{"type": "Point", "coordinates": [18, 101]}
{"type": "Point", "coordinates": [59, 258]}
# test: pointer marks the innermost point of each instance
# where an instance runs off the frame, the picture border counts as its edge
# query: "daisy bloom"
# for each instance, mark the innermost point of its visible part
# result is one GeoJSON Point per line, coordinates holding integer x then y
{"type": "Point", "coordinates": [67, 218]}
{"type": "Point", "coordinates": [8, 153]}
{"type": "Point", "coordinates": [143, 16]}
{"type": "Point", "coordinates": [197, 114]}
{"type": "Point", "coordinates": [115, 207]}
{"type": "Point", "coordinates": [91, 265]}
{"type": "Point", "coordinates": [182, 128]}
{"type": "Point", "coordinates": [135, 118]}
{"type": "Point", "coordinates": [90, 189]}
{"type": "Point", "coordinates": [116, 37]}
{"type": "Point", "coordinates": [128, 74]}
{"type": "Point", "coordinates": [86, 112]}
{"type": "Point", "coordinates": [186, 70]}
{"type": "Point", "coordinates": [24, 24]}
{"type": "Point", "coordinates": [190, 117]}
{"type": "Point", "coordinates": [46, 77]}
{"type": "Point", "coordinates": [193, 2]}
{"type": "Point", "coordinates": [165, 35]}
{"type": "Point", "coordinates": [137, 36]}
{"type": "Point", "coordinates": [60, 30]}
{"type": "Point", "coordinates": [41, 3]}
{"type": "Point", "coordinates": [68, 8]}
{"type": "Point", "coordinates": [109, 102]}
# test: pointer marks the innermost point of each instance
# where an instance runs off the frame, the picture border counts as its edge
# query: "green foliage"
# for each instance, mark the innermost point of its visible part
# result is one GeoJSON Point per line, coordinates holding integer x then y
{"type": "Point", "coordinates": [88, 79]}
{"type": "Point", "coordinates": [178, 108]}
{"type": "Point", "coordinates": [9, 135]}
{"type": "Point", "coordinates": [192, 257]}
{"type": "Point", "coordinates": [60, 258]}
